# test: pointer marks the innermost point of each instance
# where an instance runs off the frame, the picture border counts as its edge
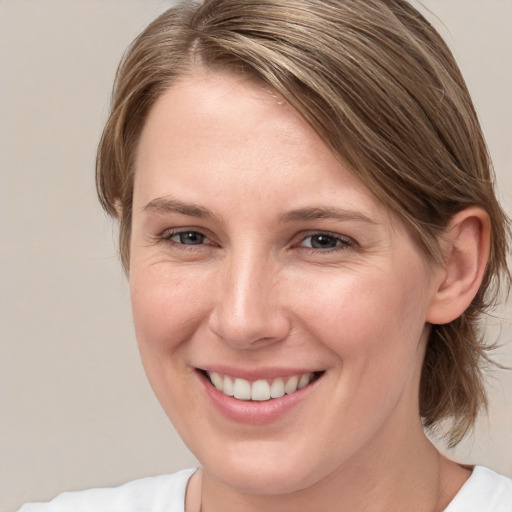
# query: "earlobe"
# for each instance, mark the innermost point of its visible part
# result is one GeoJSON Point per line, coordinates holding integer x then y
{"type": "Point", "coordinates": [466, 245]}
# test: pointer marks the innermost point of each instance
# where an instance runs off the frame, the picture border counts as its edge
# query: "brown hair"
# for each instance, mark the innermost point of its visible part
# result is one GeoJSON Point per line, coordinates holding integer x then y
{"type": "Point", "coordinates": [380, 86]}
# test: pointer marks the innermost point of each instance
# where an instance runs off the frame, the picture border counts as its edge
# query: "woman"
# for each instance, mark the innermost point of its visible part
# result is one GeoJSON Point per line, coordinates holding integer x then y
{"type": "Point", "coordinates": [308, 223]}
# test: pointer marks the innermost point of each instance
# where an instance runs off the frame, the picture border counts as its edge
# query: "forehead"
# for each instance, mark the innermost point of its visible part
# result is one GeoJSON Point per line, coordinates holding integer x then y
{"type": "Point", "coordinates": [217, 133]}
{"type": "Point", "coordinates": [222, 103]}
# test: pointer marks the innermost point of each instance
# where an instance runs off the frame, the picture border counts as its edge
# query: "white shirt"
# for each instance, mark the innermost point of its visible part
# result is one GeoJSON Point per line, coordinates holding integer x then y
{"type": "Point", "coordinates": [484, 491]}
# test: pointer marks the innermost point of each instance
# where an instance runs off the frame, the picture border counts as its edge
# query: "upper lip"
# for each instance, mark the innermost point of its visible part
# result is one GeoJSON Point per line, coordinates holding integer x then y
{"type": "Point", "coordinates": [254, 374]}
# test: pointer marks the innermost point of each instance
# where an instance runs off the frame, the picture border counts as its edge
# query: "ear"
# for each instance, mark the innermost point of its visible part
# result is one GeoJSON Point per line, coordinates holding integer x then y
{"type": "Point", "coordinates": [465, 244]}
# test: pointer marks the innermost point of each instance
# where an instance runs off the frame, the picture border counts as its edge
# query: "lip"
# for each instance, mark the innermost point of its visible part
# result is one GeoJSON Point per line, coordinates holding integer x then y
{"type": "Point", "coordinates": [251, 412]}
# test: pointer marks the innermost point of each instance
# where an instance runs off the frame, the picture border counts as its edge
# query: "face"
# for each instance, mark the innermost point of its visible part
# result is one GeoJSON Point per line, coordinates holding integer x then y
{"type": "Point", "coordinates": [261, 268]}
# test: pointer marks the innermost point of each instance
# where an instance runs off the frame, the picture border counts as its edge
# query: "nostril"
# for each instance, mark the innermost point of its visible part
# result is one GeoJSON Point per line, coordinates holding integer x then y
{"type": "Point", "coordinates": [252, 330]}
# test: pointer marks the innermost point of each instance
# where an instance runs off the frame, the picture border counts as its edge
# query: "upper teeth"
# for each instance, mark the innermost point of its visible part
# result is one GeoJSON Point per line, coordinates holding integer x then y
{"type": "Point", "coordinates": [261, 389]}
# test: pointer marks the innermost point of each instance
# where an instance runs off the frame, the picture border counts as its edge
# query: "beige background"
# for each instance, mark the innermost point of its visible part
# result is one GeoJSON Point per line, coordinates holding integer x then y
{"type": "Point", "coordinates": [76, 410]}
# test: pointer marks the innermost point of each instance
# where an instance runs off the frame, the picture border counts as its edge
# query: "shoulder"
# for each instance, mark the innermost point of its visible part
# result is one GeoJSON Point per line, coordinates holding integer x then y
{"type": "Point", "coordinates": [484, 491]}
{"type": "Point", "coordinates": [152, 494]}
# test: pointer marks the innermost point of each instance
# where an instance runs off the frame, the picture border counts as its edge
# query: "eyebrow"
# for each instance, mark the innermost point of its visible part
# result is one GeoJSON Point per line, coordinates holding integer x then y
{"type": "Point", "coordinates": [170, 205]}
{"type": "Point", "coordinates": [320, 212]}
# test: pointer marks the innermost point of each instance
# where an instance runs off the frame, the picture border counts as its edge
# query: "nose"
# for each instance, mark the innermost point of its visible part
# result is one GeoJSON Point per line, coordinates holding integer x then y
{"type": "Point", "coordinates": [248, 313]}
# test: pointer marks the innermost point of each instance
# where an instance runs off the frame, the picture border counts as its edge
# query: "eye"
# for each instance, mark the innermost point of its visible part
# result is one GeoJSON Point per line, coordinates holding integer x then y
{"type": "Point", "coordinates": [325, 241]}
{"type": "Point", "coordinates": [188, 238]}
{"type": "Point", "coordinates": [184, 237]}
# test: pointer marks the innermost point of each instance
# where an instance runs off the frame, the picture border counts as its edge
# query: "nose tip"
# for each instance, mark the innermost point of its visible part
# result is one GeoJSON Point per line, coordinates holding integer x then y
{"type": "Point", "coordinates": [252, 329]}
{"type": "Point", "coordinates": [248, 313]}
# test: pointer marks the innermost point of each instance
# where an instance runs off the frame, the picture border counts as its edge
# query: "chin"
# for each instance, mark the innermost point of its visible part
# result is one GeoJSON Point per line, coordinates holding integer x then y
{"type": "Point", "coordinates": [265, 471]}
{"type": "Point", "coordinates": [268, 481]}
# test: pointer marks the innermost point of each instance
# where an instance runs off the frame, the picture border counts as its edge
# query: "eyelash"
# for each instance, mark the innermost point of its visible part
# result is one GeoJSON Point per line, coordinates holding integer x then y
{"type": "Point", "coordinates": [341, 242]}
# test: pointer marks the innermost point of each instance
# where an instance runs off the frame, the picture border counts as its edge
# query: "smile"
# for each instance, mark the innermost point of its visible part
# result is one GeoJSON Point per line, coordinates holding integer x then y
{"type": "Point", "coordinates": [263, 389]}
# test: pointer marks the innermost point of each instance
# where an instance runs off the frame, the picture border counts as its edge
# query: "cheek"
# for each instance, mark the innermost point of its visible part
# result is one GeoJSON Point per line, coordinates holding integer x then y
{"type": "Point", "coordinates": [166, 308]}
{"type": "Point", "coordinates": [366, 318]}
{"type": "Point", "coordinates": [373, 329]}
{"type": "Point", "coordinates": [167, 311]}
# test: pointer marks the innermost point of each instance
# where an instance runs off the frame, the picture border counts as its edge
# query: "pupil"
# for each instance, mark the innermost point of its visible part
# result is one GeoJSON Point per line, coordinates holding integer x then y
{"type": "Point", "coordinates": [191, 238]}
{"type": "Point", "coordinates": [323, 242]}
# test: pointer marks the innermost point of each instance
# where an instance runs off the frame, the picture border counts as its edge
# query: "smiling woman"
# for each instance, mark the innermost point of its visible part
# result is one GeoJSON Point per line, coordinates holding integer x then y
{"type": "Point", "coordinates": [311, 235]}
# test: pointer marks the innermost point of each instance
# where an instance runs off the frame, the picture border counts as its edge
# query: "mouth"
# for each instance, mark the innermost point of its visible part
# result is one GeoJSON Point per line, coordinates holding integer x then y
{"type": "Point", "coordinates": [261, 390]}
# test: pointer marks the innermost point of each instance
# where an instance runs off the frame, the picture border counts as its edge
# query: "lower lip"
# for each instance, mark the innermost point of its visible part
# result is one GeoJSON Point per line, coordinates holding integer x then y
{"type": "Point", "coordinates": [253, 412]}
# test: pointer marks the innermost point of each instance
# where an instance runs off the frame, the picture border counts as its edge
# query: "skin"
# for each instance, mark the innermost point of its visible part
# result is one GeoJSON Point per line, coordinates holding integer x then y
{"type": "Point", "coordinates": [225, 159]}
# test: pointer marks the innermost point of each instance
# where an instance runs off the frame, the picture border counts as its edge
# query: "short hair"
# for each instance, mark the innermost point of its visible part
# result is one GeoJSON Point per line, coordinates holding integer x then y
{"type": "Point", "coordinates": [381, 88]}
